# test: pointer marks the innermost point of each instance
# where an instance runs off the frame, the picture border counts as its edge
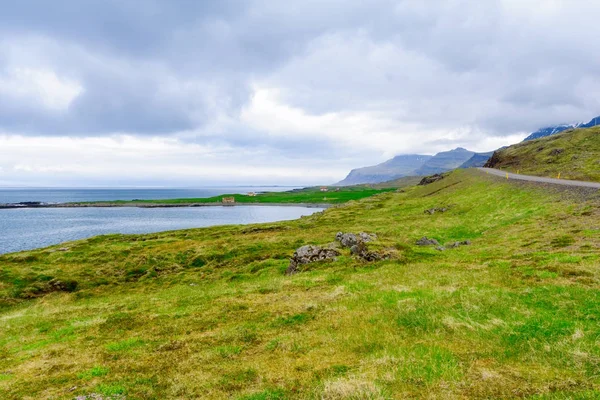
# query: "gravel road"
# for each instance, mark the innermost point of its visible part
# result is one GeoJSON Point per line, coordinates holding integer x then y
{"type": "Point", "coordinates": [529, 178]}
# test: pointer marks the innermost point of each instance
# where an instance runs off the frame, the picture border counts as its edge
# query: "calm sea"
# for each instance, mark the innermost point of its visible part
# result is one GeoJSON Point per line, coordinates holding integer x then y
{"type": "Point", "coordinates": [25, 229]}
{"type": "Point", "coordinates": [59, 195]}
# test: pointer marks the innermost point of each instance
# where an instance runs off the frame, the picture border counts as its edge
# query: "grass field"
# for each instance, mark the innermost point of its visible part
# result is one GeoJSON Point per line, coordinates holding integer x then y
{"type": "Point", "coordinates": [307, 195]}
{"type": "Point", "coordinates": [572, 154]}
{"type": "Point", "coordinates": [209, 313]}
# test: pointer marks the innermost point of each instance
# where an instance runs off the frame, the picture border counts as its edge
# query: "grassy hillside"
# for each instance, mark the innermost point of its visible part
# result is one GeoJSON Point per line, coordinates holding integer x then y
{"type": "Point", "coordinates": [574, 154]}
{"type": "Point", "coordinates": [209, 313]}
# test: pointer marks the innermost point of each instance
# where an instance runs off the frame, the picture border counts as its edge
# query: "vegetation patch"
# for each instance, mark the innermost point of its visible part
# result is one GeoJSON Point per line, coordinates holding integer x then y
{"type": "Point", "coordinates": [210, 313]}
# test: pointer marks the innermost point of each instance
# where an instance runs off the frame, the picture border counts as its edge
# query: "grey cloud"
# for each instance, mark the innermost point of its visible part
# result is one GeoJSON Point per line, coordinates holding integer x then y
{"type": "Point", "coordinates": [161, 67]}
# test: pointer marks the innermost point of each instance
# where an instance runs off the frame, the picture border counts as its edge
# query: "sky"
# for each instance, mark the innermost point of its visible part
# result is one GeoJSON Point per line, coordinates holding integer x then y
{"type": "Point", "coordinates": [297, 92]}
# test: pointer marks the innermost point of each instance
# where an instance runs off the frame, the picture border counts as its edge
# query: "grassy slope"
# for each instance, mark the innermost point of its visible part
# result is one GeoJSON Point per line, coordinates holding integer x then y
{"type": "Point", "coordinates": [208, 313]}
{"type": "Point", "coordinates": [399, 183]}
{"type": "Point", "coordinates": [579, 159]}
{"type": "Point", "coordinates": [307, 195]}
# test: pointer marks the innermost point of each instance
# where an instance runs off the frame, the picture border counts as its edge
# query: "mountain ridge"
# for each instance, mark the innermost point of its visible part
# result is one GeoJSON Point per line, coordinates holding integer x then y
{"type": "Point", "coordinates": [555, 129]}
{"type": "Point", "coordinates": [394, 168]}
{"type": "Point", "coordinates": [408, 165]}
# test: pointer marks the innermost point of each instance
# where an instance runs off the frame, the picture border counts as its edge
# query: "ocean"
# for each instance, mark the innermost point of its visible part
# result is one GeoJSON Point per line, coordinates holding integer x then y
{"type": "Point", "coordinates": [31, 228]}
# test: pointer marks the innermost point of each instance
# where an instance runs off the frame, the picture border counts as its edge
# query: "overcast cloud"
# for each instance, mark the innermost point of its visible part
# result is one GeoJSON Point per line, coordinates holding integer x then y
{"type": "Point", "coordinates": [187, 93]}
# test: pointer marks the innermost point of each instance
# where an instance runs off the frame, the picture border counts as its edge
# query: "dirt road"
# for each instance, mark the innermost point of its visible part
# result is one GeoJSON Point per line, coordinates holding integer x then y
{"type": "Point", "coordinates": [564, 182]}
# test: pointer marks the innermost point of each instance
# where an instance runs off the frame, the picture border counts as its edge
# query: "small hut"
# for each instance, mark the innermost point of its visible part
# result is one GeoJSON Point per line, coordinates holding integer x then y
{"type": "Point", "coordinates": [228, 200]}
{"type": "Point", "coordinates": [324, 189]}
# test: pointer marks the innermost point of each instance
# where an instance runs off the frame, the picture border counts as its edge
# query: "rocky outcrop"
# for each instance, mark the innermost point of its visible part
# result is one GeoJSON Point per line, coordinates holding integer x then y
{"type": "Point", "coordinates": [350, 239]}
{"type": "Point", "coordinates": [425, 241]}
{"type": "Point", "coordinates": [458, 244]}
{"type": "Point", "coordinates": [494, 160]}
{"type": "Point", "coordinates": [432, 211]}
{"type": "Point", "coordinates": [432, 178]}
{"type": "Point", "coordinates": [361, 250]}
{"type": "Point", "coordinates": [309, 254]}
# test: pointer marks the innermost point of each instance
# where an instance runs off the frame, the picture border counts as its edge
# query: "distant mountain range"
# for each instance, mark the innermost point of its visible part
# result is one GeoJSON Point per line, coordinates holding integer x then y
{"type": "Point", "coordinates": [409, 165]}
{"type": "Point", "coordinates": [418, 164]}
{"type": "Point", "coordinates": [553, 130]}
{"type": "Point", "coordinates": [478, 160]}
{"type": "Point", "coordinates": [397, 167]}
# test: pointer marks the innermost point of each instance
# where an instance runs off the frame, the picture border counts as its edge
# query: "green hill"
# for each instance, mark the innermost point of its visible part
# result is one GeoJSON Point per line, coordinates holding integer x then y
{"type": "Point", "coordinates": [574, 154]}
{"type": "Point", "coordinates": [209, 313]}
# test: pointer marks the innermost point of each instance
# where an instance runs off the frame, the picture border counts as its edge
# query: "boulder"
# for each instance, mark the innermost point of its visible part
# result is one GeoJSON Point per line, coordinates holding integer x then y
{"type": "Point", "coordinates": [367, 237]}
{"type": "Point", "coordinates": [458, 244]}
{"type": "Point", "coordinates": [350, 239]}
{"type": "Point", "coordinates": [309, 254]}
{"type": "Point", "coordinates": [347, 239]}
{"type": "Point", "coordinates": [432, 211]}
{"type": "Point", "coordinates": [67, 285]}
{"type": "Point", "coordinates": [360, 250]}
{"type": "Point", "coordinates": [425, 241]}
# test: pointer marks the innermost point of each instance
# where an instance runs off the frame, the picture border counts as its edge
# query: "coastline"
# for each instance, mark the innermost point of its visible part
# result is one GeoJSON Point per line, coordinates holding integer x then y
{"type": "Point", "coordinates": [158, 205]}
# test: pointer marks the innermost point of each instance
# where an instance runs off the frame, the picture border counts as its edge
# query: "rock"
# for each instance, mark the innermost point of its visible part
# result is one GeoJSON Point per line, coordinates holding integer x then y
{"type": "Point", "coordinates": [432, 211]}
{"type": "Point", "coordinates": [361, 250]}
{"type": "Point", "coordinates": [458, 244]}
{"type": "Point", "coordinates": [425, 241]}
{"type": "Point", "coordinates": [430, 179]}
{"type": "Point", "coordinates": [309, 254]}
{"type": "Point", "coordinates": [367, 237]}
{"type": "Point", "coordinates": [62, 286]}
{"type": "Point", "coordinates": [440, 248]}
{"type": "Point", "coordinates": [63, 249]}
{"type": "Point", "coordinates": [556, 152]}
{"type": "Point", "coordinates": [350, 239]}
{"type": "Point", "coordinates": [347, 239]}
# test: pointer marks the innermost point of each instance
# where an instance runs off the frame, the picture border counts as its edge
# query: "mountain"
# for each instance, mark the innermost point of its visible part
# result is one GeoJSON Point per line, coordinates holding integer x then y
{"type": "Point", "coordinates": [573, 154]}
{"type": "Point", "coordinates": [478, 160]}
{"type": "Point", "coordinates": [445, 161]}
{"type": "Point", "coordinates": [395, 168]}
{"type": "Point", "coordinates": [553, 130]}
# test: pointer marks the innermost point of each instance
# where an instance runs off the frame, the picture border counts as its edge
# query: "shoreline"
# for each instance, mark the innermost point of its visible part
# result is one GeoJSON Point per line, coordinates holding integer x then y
{"type": "Point", "coordinates": [19, 206]}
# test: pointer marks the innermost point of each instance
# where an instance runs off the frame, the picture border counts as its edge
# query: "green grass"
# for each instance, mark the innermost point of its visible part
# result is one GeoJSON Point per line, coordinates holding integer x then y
{"type": "Point", "coordinates": [573, 154]}
{"type": "Point", "coordinates": [208, 313]}
{"type": "Point", "coordinates": [306, 196]}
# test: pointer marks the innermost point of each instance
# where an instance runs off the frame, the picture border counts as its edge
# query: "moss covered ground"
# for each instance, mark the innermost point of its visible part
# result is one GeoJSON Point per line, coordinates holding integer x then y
{"type": "Point", "coordinates": [209, 313]}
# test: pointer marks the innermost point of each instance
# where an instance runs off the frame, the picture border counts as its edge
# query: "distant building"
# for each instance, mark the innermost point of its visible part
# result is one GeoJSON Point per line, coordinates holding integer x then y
{"type": "Point", "coordinates": [251, 194]}
{"type": "Point", "coordinates": [324, 189]}
{"type": "Point", "coordinates": [228, 200]}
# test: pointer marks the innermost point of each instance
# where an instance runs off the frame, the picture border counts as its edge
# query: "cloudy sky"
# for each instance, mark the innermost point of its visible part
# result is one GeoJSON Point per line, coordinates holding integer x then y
{"type": "Point", "coordinates": [193, 93]}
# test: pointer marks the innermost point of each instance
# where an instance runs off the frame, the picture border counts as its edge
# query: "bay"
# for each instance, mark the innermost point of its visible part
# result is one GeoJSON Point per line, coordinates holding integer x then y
{"type": "Point", "coordinates": [31, 228]}
{"type": "Point", "coordinates": [65, 195]}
